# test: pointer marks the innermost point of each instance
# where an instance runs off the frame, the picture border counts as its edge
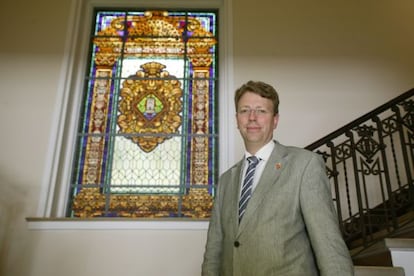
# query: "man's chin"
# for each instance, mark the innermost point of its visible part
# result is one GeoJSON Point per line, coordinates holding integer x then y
{"type": "Point", "coordinates": [254, 137]}
{"type": "Point", "coordinates": [254, 141]}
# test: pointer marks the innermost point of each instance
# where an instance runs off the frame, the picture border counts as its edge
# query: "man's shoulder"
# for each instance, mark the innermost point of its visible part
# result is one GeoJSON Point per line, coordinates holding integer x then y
{"type": "Point", "coordinates": [297, 152]}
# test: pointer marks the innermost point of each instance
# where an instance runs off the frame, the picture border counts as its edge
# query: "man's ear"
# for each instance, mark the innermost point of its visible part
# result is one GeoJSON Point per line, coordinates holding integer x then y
{"type": "Point", "coordinates": [275, 120]}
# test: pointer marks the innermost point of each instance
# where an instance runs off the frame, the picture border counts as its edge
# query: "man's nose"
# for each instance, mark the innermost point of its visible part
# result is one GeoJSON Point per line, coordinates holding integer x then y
{"type": "Point", "coordinates": [252, 114]}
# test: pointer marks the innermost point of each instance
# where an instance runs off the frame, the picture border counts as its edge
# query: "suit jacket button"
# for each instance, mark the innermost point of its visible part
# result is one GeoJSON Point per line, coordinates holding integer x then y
{"type": "Point", "coordinates": [236, 244]}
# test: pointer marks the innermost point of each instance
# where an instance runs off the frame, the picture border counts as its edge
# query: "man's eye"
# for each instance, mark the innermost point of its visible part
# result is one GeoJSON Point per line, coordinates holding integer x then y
{"type": "Point", "coordinates": [261, 111]}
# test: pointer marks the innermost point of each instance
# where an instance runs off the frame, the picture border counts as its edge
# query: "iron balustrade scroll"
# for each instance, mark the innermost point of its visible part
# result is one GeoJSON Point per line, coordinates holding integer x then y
{"type": "Point", "coordinates": [370, 164]}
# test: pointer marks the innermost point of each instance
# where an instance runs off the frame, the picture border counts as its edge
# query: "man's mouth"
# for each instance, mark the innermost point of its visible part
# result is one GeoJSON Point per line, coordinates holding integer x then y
{"type": "Point", "coordinates": [252, 128]}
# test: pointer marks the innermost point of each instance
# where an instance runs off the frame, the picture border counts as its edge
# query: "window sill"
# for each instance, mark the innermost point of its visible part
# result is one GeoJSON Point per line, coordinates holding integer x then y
{"type": "Point", "coordinates": [115, 224]}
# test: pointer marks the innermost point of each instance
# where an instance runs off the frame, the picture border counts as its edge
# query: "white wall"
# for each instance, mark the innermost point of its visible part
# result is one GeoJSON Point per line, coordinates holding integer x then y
{"type": "Point", "coordinates": [31, 50]}
{"type": "Point", "coordinates": [125, 252]}
{"type": "Point", "coordinates": [330, 60]}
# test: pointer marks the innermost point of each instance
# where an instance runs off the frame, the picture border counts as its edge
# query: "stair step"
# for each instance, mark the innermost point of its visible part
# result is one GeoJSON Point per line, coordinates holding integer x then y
{"type": "Point", "coordinates": [400, 243]}
{"type": "Point", "coordinates": [375, 255]}
{"type": "Point", "coordinates": [402, 253]}
{"type": "Point", "coordinates": [378, 253]}
{"type": "Point", "coordinates": [378, 271]}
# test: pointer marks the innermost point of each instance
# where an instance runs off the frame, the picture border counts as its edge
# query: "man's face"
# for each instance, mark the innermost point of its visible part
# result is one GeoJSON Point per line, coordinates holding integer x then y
{"type": "Point", "coordinates": [255, 121]}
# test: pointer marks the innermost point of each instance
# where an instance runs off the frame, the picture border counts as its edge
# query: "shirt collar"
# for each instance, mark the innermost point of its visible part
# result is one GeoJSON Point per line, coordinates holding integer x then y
{"type": "Point", "coordinates": [264, 152]}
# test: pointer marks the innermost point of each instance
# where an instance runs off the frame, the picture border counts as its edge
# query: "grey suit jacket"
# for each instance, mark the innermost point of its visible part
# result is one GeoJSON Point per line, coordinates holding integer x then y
{"type": "Point", "coordinates": [290, 225]}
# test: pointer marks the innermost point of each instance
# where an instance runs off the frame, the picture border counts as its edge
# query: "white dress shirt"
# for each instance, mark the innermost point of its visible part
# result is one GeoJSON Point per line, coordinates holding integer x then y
{"type": "Point", "coordinates": [263, 154]}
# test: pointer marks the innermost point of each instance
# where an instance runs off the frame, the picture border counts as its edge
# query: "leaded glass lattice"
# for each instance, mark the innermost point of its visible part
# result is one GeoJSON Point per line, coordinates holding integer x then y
{"type": "Point", "coordinates": [147, 134]}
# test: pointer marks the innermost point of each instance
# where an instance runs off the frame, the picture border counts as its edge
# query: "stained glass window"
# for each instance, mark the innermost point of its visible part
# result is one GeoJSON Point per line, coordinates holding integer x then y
{"type": "Point", "coordinates": [147, 132]}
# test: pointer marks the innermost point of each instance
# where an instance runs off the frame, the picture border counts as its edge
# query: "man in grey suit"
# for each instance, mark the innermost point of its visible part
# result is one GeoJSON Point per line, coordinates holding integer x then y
{"type": "Point", "coordinates": [273, 215]}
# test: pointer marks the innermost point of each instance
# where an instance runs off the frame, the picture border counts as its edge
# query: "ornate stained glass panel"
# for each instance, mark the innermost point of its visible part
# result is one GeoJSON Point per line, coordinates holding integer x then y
{"type": "Point", "coordinates": [147, 133]}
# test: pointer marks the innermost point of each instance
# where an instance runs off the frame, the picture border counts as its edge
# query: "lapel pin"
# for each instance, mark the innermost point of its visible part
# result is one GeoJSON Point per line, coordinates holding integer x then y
{"type": "Point", "coordinates": [278, 166]}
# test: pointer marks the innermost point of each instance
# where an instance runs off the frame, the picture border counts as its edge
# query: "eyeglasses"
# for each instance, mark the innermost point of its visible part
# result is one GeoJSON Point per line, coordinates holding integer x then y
{"type": "Point", "coordinates": [257, 111]}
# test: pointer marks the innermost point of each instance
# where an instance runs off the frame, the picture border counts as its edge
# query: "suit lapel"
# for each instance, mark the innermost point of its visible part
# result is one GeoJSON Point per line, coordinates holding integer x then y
{"type": "Point", "coordinates": [270, 175]}
{"type": "Point", "coordinates": [235, 181]}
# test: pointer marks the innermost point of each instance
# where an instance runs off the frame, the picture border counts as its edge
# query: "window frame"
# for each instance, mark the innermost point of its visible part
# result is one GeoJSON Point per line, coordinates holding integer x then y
{"type": "Point", "coordinates": [55, 186]}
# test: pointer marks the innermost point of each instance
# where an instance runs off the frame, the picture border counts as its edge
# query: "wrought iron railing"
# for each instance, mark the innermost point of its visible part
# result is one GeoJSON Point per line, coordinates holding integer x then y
{"type": "Point", "coordinates": [370, 163]}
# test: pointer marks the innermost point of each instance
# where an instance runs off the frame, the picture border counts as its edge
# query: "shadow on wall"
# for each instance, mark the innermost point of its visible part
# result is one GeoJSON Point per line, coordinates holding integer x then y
{"type": "Point", "coordinates": [12, 205]}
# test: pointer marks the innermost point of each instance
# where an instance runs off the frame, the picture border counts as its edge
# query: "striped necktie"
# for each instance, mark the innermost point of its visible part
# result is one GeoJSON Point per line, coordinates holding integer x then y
{"type": "Point", "coordinates": [247, 185]}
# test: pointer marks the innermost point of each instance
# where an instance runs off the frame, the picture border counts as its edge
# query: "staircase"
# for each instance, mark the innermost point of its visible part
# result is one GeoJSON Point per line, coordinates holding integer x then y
{"type": "Point", "coordinates": [370, 164]}
{"type": "Point", "coordinates": [384, 255]}
{"type": "Point", "coordinates": [379, 253]}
